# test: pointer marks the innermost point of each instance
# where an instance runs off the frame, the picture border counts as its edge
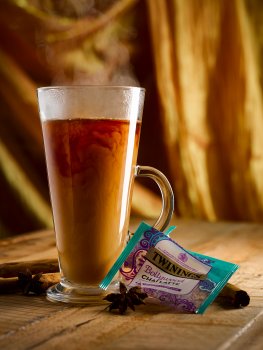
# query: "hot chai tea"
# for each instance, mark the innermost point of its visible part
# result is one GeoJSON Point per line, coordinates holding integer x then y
{"type": "Point", "coordinates": [89, 163]}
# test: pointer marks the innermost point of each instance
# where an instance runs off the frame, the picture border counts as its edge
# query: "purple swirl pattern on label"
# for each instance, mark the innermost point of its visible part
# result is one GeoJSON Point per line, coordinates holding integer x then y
{"type": "Point", "coordinates": [206, 261]}
{"type": "Point", "coordinates": [179, 303]}
{"type": "Point", "coordinates": [130, 268]}
{"type": "Point", "coordinates": [151, 237]}
{"type": "Point", "coordinates": [136, 258]}
{"type": "Point", "coordinates": [207, 285]}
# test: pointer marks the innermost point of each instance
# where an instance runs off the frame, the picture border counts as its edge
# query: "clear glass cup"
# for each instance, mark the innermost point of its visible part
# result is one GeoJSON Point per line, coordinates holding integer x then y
{"type": "Point", "coordinates": [91, 138]}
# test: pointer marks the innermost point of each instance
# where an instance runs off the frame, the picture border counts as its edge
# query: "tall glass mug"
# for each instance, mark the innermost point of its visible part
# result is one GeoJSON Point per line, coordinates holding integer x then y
{"type": "Point", "coordinates": [91, 137]}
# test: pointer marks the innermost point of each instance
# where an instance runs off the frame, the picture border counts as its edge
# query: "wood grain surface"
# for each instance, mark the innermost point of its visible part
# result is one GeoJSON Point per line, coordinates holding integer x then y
{"type": "Point", "coordinates": [35, 323]}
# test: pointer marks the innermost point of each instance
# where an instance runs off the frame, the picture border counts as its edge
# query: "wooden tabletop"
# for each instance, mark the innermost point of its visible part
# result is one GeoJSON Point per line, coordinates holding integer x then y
{"type": "Point", "coordinates": [32, 322]}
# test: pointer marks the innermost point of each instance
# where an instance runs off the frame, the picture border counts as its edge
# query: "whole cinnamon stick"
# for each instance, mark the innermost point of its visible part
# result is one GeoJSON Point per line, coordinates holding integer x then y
{"type": "Point", "coordinates": [234, 295]}
{"type": "Point", "coordinates": [12, 269]}
{"type": "Point", "coordinates": [11, 285]}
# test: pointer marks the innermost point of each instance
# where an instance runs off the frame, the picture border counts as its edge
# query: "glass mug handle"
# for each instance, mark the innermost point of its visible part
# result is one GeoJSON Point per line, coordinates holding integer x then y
{"type": "Point", "coordinates": [166, 192]}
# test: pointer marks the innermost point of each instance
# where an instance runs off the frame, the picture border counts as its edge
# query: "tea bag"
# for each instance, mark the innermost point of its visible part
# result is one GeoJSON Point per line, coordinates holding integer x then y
{"type": "Point", "coordinates": [173, 276]}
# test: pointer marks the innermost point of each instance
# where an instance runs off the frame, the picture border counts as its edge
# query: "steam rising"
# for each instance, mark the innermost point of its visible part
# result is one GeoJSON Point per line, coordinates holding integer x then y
{"type": "Point", "coordinates": [101, 57]}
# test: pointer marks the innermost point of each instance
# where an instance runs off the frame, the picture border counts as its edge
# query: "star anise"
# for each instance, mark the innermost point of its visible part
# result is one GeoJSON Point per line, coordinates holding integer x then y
{"type": "Point", "coordinates": [30, 284]}
{"type": "Point", "coordinates": [125, 299]}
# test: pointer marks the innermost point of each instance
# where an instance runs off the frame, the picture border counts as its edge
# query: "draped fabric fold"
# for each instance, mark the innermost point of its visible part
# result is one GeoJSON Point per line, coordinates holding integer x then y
{"type": "Point", "coordinates": [208, 79]}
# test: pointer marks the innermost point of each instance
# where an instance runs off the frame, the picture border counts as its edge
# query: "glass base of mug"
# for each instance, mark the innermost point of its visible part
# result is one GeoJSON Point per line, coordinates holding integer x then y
{"type": "Point", "coordinates": [76, 294]}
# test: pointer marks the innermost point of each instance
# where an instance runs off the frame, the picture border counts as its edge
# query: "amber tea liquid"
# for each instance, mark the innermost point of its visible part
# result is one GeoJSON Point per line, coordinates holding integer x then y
{"type": "Point", "coordinates": [90, 165]}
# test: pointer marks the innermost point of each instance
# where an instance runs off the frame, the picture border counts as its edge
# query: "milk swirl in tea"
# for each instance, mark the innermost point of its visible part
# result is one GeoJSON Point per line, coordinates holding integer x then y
{"type": "Point", "coordinates": [89, 163]}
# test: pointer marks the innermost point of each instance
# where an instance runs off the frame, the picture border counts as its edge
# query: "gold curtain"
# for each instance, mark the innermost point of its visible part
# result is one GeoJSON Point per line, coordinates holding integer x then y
{"type": "Point", "coordinates": [208, 68]}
